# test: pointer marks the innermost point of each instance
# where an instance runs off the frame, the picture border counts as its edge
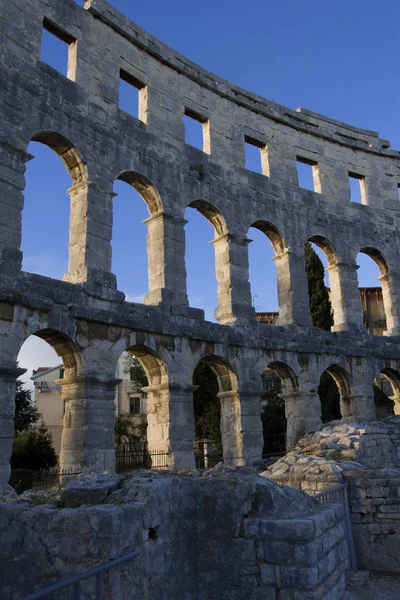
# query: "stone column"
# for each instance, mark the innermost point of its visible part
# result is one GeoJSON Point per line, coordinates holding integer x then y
{"type": "Point", "coordinates": [232, 270]}
{"type": "Point", "coordinates": [294, 306]}
{"type": "Point", "coordinates": [361, 404]}
{"type": "Point", "coordinates": [345, 297]}
{"type": "Point", "coordinates": [166, 259]}
{"type": "Point", "coordinates": [310, 407]}
{"type": "Point", "coordinates": [241, 427]}
{"type": "Point", "coordinates": [294, 418]}
{"type": "Point", "coordinates": [8, 377]}
{"type": "Point", "coordinates": [90, 235]}
{"type": "Point", "coordinates": [390, 294]}
{"type": "Point", "coordinates": [170, 423]}
{"type": "Point", "coordinates": [12, 184]}
{"type": "Point", "coordinates": [87, 442]}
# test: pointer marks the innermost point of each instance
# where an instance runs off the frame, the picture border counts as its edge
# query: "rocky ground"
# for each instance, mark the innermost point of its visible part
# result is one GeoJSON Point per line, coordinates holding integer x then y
{"type": "Point", "coordinates": [378, 587]}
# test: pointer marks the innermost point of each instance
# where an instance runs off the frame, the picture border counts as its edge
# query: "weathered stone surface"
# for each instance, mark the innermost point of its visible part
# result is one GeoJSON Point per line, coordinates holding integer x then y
{"type": "Point", "coordinates": [373, 483]}
{"type": "Point", "coordinates": [89, 322]}
{"type": "Point", "coordinates": [235, 537]}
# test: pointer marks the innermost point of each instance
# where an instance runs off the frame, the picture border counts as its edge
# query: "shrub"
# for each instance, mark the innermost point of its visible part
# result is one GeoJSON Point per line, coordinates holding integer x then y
{"type": "Point", "coordinates": [33, 449]}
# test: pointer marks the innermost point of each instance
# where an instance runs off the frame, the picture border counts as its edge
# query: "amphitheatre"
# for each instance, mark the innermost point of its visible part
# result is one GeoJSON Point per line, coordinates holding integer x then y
{"type": "Point", "coordinates": [88, 321]}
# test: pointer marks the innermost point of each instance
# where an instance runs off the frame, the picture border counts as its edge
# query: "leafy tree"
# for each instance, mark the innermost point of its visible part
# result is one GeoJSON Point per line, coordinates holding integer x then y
{"type": "Point", "coordinates": [26, 413]}
{"type": "Point", "coordinates": [130, 430]}
{"type": "Point", "coordinates": [207, 407]}
{"type": "Point", "coordinates": [132, 366]}
{"type": "Point", "coordinates": [33, 449]}
{"type": "Point", "coordinates": [321, 314]}
{"type": "Point", "coordinates": [320, 306]}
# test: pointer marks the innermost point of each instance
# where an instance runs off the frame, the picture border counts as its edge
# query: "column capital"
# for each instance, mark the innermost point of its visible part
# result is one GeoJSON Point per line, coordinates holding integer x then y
{"type": "Point", "coordinates": [170, 387]}
{"type": "Point", "coordinates": [231, 238]}
{"type": "Point", "coordinates": [18, 152]}
{"type": "Point", "coordinates": [11, 372]}
{"type": "Point", "coordinates": [164, 216]}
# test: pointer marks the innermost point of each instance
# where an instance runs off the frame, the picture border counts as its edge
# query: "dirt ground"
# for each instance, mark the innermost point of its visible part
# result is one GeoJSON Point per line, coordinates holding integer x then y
{"type": "Point", "coordinates": [378, 587]}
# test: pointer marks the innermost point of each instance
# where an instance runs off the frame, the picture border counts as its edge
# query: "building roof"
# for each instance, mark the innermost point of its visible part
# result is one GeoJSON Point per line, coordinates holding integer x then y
{"type": "Point", "coordinates": [44, 371]}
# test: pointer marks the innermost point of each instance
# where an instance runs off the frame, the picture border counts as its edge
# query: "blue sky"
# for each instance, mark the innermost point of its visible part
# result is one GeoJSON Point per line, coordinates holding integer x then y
{"type": "Point", "coordinates": [337, 58]}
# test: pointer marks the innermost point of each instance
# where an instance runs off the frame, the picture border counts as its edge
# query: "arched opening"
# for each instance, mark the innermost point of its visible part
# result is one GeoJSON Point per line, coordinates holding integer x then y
{"type": "Point", "coordinates": [320, 255]}
{"type": "Point", "coordinates": [133, 234]}
{"type": "Point", "coordinates": [373, 283]}
{"type": "Point", "coordinates": [49, 357]}
{"type": "Point", "coordinates": [334, 393]}
{"type": "Point", "coordinates": [141, 410]}
{"type": "Point", "coordinates": [215, 402]}
{"type": "Point", "coordinates": [264, 273]}
{"type": "Point", "coordinates": [205, 268]}
{"type": "Point", "coordinates": [387, 393]}
{"type": "Point", "coordinates": [47, 205]}
{"type": "Point", "coordinates": [278, 385]}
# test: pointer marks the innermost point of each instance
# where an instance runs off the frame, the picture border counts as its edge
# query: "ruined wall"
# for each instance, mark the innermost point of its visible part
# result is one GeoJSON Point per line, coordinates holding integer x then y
{"type": "Point", "coordinates": [87, 320]}
{"type": "Point", "coordinates": [367, 460]}
{"type": "Point", "coordinates": [232, 537]}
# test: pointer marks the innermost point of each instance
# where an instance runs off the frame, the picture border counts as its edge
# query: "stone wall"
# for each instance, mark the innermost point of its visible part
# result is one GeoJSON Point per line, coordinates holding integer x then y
{"type": "Point", "coordinates": [227, 535]}
{"type": "Point", "coordinates": [366, 459]}
{"type": "Point", "coordinates": [88, 321]}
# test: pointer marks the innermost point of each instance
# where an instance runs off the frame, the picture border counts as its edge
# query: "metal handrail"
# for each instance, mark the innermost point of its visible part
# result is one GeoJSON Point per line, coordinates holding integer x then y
{"type": "Point", "coordinates": [76, 580]}
{"type": "Point", "coordinates": [328, 496]}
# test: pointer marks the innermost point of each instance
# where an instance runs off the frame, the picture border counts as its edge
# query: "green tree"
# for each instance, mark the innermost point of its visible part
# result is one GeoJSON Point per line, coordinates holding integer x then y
{"type": "Point", "coordinates": [134, 369]}
{"type": "Point", "coordinates": [130, 429]}
{"type": "Point", "coordinates": [33, 449]}
{"type": "Point", "coordinates": [321, 314]}
{"type": "Point", "coordinates": [207, 407]}
{"type": "Point", "coordinates": [320, 306]}
{"type": "Point", "coordinates": [26, 413]}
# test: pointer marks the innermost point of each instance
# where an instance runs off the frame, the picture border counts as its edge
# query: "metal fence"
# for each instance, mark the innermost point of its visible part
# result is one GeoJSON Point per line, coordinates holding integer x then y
{"type": "Point", "coordinates": [45, 479]}
{"type": "Point", "coordinates": [338, 494]}
{"type": "Point", "coordinates": [207, 461]}
{"type": "Point", "coordinates": [74, 583]}
{"type": "Point", "coordinates": [128, 460]}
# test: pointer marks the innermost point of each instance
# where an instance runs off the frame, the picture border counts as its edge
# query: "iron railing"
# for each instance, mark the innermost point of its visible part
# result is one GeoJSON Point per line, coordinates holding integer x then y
{"type": "Point", "coordinates": [45, 479]}
{"type": "Point", "coordinates": [75, 581]}
{"type": "Point", "coordinates": [338, 494]}
{"type": "Point", "coordinates": [127, 460]}
{"type": "Point", "coordinates": [210, 460]}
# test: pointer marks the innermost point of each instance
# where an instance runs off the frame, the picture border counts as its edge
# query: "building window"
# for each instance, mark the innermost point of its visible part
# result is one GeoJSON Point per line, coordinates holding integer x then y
{"type": "Point", "coordinates": [134, 406]}
{"type": "Point", "coordinates": [197, 130]}
{"type": "Point", "coordinates": [133, 96]}
{"type": "Point", "coordinates": [256, 156]}
{"type": "Point", "coordinates": [58, 49]}
{"type": "Point", "coordinates": [308, 174]}
{"type": "Point", "coordinates": [357, 188]}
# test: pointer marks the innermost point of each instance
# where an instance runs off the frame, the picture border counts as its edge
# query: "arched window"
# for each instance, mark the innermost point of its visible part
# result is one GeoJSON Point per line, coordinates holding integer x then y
{"type": "Point", "coordinates": [387, 393]}
{"type": "Point", "coordinates": [215, 411]}
{"type": "Point", "coordinates": [47, 206]}
{"type": "Point", "coordinates": [266, 286]}
{"type": "Point", "coordinates": [48, 358]}
{"type": "Point", "coordinates": [374, 289]}
{"type": "Point", "coordinates": [334, 393]}
{"type": "Point", "coordinates": [204, 225]}
{"type": "Point", "coordinates": [135, 201]}
{"type": "Point", "coordinates": [319, 256]}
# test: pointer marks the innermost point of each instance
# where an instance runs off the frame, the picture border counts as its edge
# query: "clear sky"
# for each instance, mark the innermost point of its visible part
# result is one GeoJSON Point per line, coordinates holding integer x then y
{"type": "Point", "coordinates": [336, 58]}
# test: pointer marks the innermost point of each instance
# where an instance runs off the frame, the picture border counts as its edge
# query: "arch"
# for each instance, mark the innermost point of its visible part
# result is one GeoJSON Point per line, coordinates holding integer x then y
{"type": "Point", "coordinates": [378, 302]}
{"type": "Point", "coordinates": [377, 257]}
{"type": "Point", "coordinates": [145, 189]}
{"type": "Point", "coordinates": [387, 401]}
{"type": "Point", "coordinates": [273, 234]}
{"type": "Point", "coordinates": [334, 391]}
{"type": "Point", "coordinates": [153, 366]}
{"type": "Point", "coordinates": [68, 153]}
{"type": "Point", "coordinates": [285, 373]}
{"type": "Point", "coordinates": [225, 373]}
{"type": "Point", "coordinates": [212, 214]}
{"type": "Point", "coordinates": [326, 246]}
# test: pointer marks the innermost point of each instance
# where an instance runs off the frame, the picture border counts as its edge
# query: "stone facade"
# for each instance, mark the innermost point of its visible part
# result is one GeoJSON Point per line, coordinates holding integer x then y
{"type": "Point", "coordinates": [367, 458]}
{"type": "Point", "coordinates": [226, 535]}
{"type": "Point", "coordinates": [87, 320]}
